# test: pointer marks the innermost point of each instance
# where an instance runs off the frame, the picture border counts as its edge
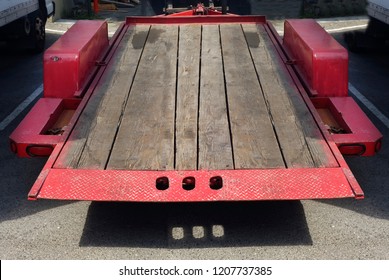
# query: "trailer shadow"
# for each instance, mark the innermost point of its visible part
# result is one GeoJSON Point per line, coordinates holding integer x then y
{"type": "Point", "coordinates": [370, 174]}
{"type": "Point", "coordinates": [17, 177]}
{"type": "Point", "coordinates": [201, 225]}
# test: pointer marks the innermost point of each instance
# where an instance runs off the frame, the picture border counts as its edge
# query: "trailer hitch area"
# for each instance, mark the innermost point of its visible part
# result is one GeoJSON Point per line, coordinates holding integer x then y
{"type": "Point", "coordinates": [200, 9]}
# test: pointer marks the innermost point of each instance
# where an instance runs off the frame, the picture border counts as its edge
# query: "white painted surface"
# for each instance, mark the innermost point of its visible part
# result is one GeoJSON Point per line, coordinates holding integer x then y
{"type": "Point", "coordinates": [372, 108]}
{"type": "Point", "coordinates": [22, 106]}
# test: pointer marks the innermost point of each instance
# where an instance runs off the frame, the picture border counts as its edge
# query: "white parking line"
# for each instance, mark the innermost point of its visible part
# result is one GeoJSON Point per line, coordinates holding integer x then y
{"type": "Point", "coordinates": [384, 119]}
{"type": "Point", "coordinates": [340, 29]}
{"type": "Point", "coordinates": [334, 30]}
{"type": "Point", "coordinates": [15, 113]}
{"type": "Point", "coordinates": [55, 31]}
{"type": "Point", "coordinates": [61, 32]}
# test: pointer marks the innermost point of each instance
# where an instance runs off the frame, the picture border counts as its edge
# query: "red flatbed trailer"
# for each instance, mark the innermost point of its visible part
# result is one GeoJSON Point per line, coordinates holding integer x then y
{"type": "Point", "coordinates": [190, 108]}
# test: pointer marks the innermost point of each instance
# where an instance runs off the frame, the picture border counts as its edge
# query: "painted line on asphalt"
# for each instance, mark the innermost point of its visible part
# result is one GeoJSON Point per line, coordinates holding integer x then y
{"type": "Point", "coordinates": [340, 29]}
{"type": "Point", "coordinates": [372, 108]}
{"type": "Point", "coordinates": [55, 31]}
{"type": "Point", "coordinates": [61, 32]}
{"type": "Point", "coordinates": [15, 113]}
{"type": "Point", "coordinates": [335, 30]}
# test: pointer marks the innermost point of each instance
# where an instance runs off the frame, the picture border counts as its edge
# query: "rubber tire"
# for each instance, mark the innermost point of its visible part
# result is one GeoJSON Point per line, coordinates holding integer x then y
{"type": "Point", "coordinates": [352, 41]}
{"type": "Point", "coordinates": [37, 35]}
{"type": "Point", "coordinates": [224, 5]}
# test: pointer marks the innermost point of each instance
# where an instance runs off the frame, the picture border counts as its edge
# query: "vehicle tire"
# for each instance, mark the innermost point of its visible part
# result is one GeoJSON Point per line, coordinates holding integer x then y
{"type": "Point", "coordinates": [352, 41]}
{"type": "Point", "coordinates": [377, 29]}
{"type": "Point", "coordinates": [37, 34]}
{"type": "Point", "coordinates": [224, 6]}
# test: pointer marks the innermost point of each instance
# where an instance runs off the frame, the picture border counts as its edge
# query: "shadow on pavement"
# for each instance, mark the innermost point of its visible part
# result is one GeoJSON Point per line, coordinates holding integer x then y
{"type": "Point", "coordinates": [202, 225]}
{"type": "Point", "coordinates": [369, 173]}
{"type": "Point", "coordinates": [17, 178]}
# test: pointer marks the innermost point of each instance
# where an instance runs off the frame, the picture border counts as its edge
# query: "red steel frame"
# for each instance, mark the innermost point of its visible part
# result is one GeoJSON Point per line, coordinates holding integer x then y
{"type": "Point", "coordinates": [246, 185]}
{"type": "Point", "coordinates": [140, 186]}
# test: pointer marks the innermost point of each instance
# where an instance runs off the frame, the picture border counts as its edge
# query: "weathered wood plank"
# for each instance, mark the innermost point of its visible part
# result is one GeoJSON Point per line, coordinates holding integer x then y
{"type": "Point", "coordinates": [187, 96]}
{"type": "Point", "coordinates": [254, 141]}
{"type": "Point", "coordinates": [145, 140]}
{"type": "Point", "coordinates": [105, 125]}
{"type": "Point", "coordinates": [91, 141]}
{"type": "Point", "coordinates": [286, 123]}
{"type": "Point", "coordinates": [215, 151]}
{"type": "Point", "coordinates": [301, 141]}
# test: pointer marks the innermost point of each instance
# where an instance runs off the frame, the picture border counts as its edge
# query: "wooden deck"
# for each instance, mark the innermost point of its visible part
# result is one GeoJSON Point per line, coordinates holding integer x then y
{"type": "Point", "coordinates": [195, 97]}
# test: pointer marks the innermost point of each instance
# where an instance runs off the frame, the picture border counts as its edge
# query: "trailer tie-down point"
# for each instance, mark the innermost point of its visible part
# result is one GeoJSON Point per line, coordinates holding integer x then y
{"type": "Point", "coordinates": [162, 183]}
{"type": "Point", "coordinates": [189, 183]}
{"type": "Point", "coordinates": [216, 183]}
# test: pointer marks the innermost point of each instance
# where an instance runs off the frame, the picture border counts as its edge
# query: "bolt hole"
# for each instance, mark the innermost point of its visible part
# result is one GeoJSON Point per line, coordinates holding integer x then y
{"type": "Point", "coordinates": [188, 183]}
{"type": "Point", "coordinates": [162, 183]}
{"type": "Point", "coordinates": [216, 183]}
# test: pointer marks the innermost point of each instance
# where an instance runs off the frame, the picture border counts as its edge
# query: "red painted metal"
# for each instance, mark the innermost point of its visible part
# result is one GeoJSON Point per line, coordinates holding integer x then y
{"type": "Point", "coordinates": [96, 6]}
{"type": "Point", "coordinates": [361, 137]}
{"type": "Point", "coordinates": [209, 19]}
{"type": "Point", "coordinates": [70, 61]}
{"type": "Point", "coordinates": [321, 61]}
{"type": "Point", "coordinates": [200, 10]}
{"type": "Point", "coordinates": [238, 185]}
{"type": "Point", "coordinates": [30, 135]}
{"type": "Point", "coordinates": [214, 12]}
{"type": "Point", "coordinates": [209, 12]}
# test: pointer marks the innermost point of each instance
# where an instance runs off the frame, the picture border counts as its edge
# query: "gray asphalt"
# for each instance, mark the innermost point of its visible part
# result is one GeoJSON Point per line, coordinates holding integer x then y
{"type": "Point", "coordinates": [328, 229]}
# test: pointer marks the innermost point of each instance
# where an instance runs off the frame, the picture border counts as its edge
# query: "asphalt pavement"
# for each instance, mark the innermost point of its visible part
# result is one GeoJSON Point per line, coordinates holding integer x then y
{"type": "Point", "coordinates": [321, 229]}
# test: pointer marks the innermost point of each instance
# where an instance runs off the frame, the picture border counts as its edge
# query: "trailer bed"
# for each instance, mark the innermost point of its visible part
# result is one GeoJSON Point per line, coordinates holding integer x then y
{"type": "Point", "coordinates": [195, 112]}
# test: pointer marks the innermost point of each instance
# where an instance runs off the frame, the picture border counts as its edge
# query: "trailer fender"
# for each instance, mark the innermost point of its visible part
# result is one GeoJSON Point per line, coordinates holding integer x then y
{"type": "Point", "coordinates": [320, 60]}
{"type": "Point", "coordinates": [69, 62]}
